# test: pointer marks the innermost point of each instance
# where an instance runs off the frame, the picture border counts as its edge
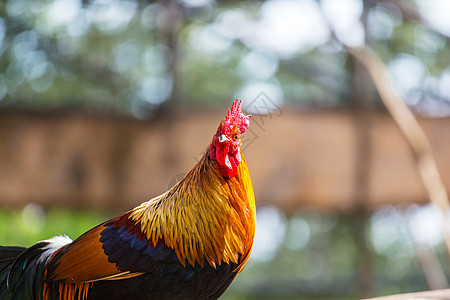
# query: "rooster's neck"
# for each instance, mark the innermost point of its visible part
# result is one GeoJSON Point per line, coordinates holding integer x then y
{"type": "Point", "coordinates": [205, 217]}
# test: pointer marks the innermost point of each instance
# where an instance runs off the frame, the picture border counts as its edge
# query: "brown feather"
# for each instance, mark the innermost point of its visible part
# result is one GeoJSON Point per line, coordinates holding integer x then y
{"type": "Point", "coordinates": [82, 261]}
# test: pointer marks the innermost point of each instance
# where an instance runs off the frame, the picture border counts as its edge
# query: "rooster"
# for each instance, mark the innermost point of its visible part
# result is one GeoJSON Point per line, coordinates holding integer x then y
{"type": "Point", "coordinates": [188, 243]}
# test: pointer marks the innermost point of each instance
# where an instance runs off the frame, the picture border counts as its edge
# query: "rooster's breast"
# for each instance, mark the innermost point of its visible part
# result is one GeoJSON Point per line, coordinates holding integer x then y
{"type": "Point", "coordinates": [170, 280]}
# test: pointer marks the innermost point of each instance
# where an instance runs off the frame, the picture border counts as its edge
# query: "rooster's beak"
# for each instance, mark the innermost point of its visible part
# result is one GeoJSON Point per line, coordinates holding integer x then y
{"type": "Point", "coordinates": [223, 138]}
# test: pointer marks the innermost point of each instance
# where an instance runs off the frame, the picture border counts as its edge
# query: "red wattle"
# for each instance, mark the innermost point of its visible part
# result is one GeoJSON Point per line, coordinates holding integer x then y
{"type": "Point", "coordinates": [222, 153]}
{"type": "Point", "coordinates": [227, 164]}
{"type": "Point", "coordinates": [226, 171]}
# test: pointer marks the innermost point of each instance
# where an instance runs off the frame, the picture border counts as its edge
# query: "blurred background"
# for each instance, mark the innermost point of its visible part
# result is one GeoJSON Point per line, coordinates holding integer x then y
{"type": "Point", "coordinates": [105, 104]}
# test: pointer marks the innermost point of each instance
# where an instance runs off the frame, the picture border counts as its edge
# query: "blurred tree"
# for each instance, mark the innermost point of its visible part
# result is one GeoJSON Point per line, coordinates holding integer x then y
{"type": "Point", "coordinates": [131, 57]}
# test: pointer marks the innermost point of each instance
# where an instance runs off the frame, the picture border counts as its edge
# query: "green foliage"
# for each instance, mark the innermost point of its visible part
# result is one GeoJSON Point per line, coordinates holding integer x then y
{"type": "Point", "coordinates": [28, 226]}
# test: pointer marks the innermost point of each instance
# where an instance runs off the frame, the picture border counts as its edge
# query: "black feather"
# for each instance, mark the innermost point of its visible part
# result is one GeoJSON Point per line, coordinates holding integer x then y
{"type": "Point", "coordinates": [165, 277]}
{"type": "Point", "coordinates": [22, 270]}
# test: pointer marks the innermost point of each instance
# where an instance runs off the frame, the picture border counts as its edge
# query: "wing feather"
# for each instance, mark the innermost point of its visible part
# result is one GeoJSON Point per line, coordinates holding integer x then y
{"type": "Point", "coordinates": [81, 261]}
{"type": "Point", "coordinates": [116, 249]}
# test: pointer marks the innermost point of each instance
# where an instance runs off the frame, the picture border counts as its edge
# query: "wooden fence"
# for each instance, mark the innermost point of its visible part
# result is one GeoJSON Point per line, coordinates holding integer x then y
{"type": "Point", "coordinates": [296, 158]}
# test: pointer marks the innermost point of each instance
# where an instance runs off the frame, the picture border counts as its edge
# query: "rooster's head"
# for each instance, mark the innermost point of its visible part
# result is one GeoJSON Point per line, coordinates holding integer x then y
{"type": "Point", "coordinates": [226, 143]}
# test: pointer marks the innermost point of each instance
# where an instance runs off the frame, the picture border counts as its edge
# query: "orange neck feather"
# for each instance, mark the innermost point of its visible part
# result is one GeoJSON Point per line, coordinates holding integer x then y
{"type": "Point", "coordinates": [204, 217]}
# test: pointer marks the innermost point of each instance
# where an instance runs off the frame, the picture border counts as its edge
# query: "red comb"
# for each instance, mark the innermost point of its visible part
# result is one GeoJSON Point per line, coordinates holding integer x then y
{"type": "Point", "coordinates": [236, 117]}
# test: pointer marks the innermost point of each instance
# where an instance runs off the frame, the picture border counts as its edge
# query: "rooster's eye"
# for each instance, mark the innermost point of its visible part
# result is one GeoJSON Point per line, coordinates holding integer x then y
{"type": "Point", "coordinates": [235, 137]}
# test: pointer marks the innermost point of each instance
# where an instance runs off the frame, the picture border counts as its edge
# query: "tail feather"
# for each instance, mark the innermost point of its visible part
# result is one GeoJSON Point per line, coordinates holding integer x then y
{"type": "Point", "coordinates": [7, 257]}
{"type": "Point", "coordinates": [22, 270]}
{"type": "Point", "coordinates": [10, 252]}
{"type": "Point", "coordinates": [26, 272]}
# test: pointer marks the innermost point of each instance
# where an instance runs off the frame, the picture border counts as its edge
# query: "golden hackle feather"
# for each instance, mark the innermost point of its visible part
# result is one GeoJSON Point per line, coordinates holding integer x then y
{"type": "Point", "coordinates": [69, 291]}
{"type": "Point", "coordinates": [205, 217]}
